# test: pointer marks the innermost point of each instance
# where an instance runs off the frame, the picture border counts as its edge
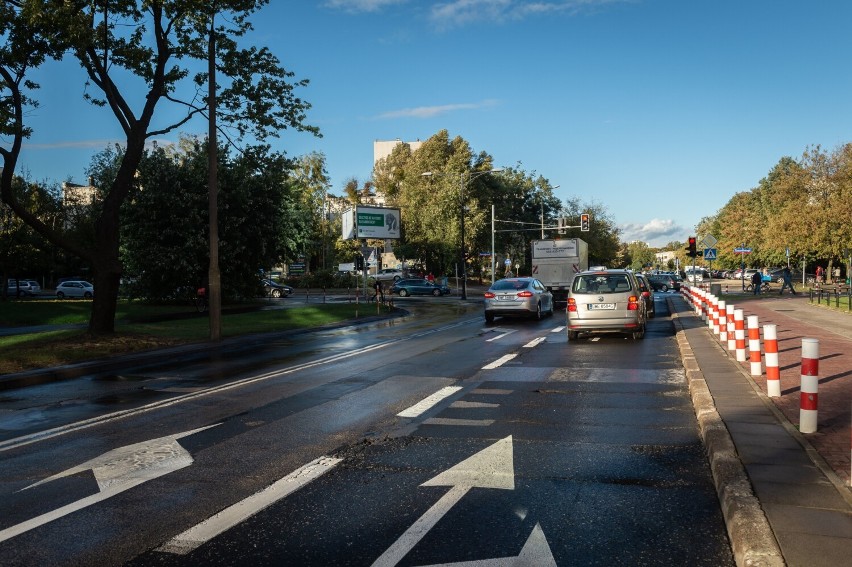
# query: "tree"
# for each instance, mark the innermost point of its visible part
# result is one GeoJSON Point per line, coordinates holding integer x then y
{"type": "Point", "coordinates": [264, 221]}
{"type": "Point", "coordinates": [151, 47]}
{"type": "Point", "coordinates": [603, 235]}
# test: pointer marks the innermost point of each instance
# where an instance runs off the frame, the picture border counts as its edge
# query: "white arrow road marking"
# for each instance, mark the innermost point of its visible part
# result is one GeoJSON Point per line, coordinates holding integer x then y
{"type": "Point", "coordinates": [535, 342]}
{"type": "Point", "coordinates": [428, 402]}
{"type": "Point", "coordinates": [233, 515]}
{"type": "Point", "coordinates": [499, 362]}
{"type": "Point", "coordinates": [493, 467]}
{"type": "Point", "coordinates": [536, 552]}
{"type": "Point", "coordinates": [116, 471]}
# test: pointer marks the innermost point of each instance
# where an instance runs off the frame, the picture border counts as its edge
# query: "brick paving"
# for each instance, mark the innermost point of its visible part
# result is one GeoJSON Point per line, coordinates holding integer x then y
{"type": "Point", "coordinates": [795, 318]}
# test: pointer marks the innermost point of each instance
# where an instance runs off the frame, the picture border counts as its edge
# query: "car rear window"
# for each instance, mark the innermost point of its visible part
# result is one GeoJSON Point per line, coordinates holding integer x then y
{"type": "Point", "coordinates": [504, 285]}
{"type": "Point", "coordinates": [601, 283]}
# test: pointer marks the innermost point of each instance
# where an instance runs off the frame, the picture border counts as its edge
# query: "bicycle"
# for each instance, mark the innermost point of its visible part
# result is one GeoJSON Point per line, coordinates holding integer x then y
{"type": "Point", "coordinates": [764, 287]}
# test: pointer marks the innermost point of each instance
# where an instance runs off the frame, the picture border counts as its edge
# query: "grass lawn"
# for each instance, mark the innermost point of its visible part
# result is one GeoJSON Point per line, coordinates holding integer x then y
{"type": "Point", "coordinates": [53, 348]}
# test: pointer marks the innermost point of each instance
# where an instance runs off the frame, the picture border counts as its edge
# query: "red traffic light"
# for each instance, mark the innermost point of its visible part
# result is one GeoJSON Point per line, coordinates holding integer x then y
{"type": "Point", "coordinates": [691, 249]}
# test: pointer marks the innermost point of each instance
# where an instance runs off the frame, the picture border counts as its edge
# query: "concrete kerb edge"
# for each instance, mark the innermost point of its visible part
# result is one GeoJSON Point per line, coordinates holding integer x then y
{"type": "Point", "coordinates": [752, 539]}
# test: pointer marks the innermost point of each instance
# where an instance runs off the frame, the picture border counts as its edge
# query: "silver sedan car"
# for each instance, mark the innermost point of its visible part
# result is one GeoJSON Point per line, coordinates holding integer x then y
{"type": "Point", "coordinates": [518, 296]}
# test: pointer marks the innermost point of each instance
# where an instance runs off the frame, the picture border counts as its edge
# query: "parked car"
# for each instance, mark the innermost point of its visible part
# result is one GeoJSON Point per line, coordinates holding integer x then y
{"type": "Point", "coordinates": [648, 294]}
{"type": "Point", "coordinates": [418, 286]}
{"type": "Point", "coordinates": [275, 289]}
{"type": "Point", "coordinates": [607, 301]}
{"type": "Point", "coordinates": [388, 274]}
{"type": "Point", "coordinates": [22, 287]}
{"type": "Point", "coordinates": [518, 296]}
{"type": "Point", "coordinates": [664, 282]}
{"type": "Point", "coordinates": [75, 288]}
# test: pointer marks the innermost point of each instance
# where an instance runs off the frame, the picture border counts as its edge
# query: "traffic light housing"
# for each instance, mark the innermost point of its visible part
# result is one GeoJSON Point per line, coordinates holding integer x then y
{"type": "Point", "coordinates": [359, 262]}
{"type": "Point", "coordinates": [584, 222]}
{"type": "Point", "coordinates": [691, 249]}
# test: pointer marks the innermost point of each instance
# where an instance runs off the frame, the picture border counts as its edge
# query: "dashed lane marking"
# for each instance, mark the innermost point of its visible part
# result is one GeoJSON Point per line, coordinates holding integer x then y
{"type": "Point", "coordinates": [427, 403]}
{"type": "Point", "coordinates": [499, 362]}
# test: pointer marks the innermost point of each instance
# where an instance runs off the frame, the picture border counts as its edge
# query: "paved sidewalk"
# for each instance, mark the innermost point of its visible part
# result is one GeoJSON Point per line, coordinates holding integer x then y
{"type": "Point", "coordinates": [785, 495]}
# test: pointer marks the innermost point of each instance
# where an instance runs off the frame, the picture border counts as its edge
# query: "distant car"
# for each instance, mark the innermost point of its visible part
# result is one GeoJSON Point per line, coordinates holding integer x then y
{"type": "Point", "coordinates": [75, 288]}
{"type": "Point", "coordinates": [22, 287]}
{"type": "Point", "coordinates": [388, 274]}
{"type": "Point", "coordinates": [518, 296]}
{"type": "Point", "coordinates": [35, 288]}
{"type": "Point", "coordinates": [275, 289]}
{"type": "Point", "coordinates": [607, 301]}
{"type": "Point", "coordinates": [664, 282]}
{"type": "Point", "coordinates": [648, 294]}
{"type": "Point", "coordinates": [418, 286]}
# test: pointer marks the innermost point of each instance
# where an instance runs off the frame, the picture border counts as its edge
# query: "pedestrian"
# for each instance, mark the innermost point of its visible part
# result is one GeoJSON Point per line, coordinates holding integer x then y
{"type": "Point", "coordinates": [380, 292]}
{"type": "Point", "coordinates": [788, 281]}
{"type": "Point", "coordinates": [756, 282]}
{"type": "Point", "coordinates": [837, 274]}
{"type": "Point", "coordinates": [431, 277]}
{"type": "Point", "coordinates": [820, 273]}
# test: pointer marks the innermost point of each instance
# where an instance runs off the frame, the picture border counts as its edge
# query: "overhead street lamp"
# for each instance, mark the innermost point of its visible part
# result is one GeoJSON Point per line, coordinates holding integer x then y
{"type": "Point", "coordinates": [464, 179]}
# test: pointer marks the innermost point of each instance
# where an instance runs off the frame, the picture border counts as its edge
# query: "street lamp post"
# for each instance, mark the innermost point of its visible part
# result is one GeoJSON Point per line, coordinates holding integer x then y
{"type": "Point", "coordinates": [462, 182]}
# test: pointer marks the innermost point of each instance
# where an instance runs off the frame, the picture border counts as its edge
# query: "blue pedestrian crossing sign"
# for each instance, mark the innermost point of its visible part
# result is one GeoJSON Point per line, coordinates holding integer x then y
{"type": "Point", "coordinates": [709, 253]}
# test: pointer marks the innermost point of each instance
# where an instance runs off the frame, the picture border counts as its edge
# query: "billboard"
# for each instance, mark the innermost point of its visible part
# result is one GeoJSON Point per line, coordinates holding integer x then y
{"type": "Point", "coordinates": [348, 221]}
{"type": "Point", "coordinates": [377, 222]}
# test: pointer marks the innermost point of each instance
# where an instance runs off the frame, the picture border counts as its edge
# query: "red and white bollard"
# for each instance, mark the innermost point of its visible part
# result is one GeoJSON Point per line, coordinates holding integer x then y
{"type": "Point", "coordinates": [723, 321]}
{"type": "Point", "coordinates": [754, 345]}
{"type": "Point", "coordinates": [739, 333]}
{"type": "Point", "coordinates": [732, 343]}
{"type": "Point", "coordinates": [711, 312]}
{"type": "Point", "coordinates": [773, 372]}
{"type": "Point", "coordinates": [810, 386]}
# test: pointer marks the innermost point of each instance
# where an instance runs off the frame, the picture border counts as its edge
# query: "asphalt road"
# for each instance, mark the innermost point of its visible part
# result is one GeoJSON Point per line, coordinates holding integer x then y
{"type": "Point", "coordinates": [433, 439]}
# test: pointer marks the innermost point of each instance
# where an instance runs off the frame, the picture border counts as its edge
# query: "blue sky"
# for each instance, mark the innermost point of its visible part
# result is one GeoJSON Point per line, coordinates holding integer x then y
{"type": "Point", "coordinates": [659, 110]}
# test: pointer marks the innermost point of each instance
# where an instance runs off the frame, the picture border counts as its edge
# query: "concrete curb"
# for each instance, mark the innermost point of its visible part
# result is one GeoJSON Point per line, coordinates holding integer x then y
{"type": "Point", "coordinates": [752, 539]}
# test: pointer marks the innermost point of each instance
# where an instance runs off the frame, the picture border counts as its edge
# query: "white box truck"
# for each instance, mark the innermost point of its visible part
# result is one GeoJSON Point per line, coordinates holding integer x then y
{"type": "Point", "coordinates": [555, 262]}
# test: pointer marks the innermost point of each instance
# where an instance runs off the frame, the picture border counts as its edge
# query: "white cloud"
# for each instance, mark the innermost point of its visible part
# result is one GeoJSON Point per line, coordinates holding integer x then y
{"type": "Point", "coordinates": [432, 111]}
{"type": "Point", "coordinates": [656, 232]}
{"type": "Point", "coordinates": [361, 5]}
{"type": "Point", "coordinates": [459, 12]}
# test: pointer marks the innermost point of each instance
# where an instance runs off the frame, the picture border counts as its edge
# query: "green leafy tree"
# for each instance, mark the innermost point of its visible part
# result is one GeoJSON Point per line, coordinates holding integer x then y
{"type": "Point", "coordinates": [147, 49]}
{"type": "Point", "coordinates": [264, 220]}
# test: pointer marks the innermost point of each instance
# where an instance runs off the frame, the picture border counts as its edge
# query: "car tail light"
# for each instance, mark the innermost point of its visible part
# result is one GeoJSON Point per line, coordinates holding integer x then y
{"type": "Point", "coordinates": [525, 294]}
{"type": "Point", "coordinates": [646, 294]}
{"type": "Point", "coordinates": [489, 295]}
{"type": "Point", "coordinates": [632, 303]}
{"type": "Point", "coordinates": [572, 304]}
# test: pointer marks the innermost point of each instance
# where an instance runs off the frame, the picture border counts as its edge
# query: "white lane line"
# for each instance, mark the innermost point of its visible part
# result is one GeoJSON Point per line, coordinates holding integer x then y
{"type": "Point", "coordinates": [427, 403]}
{"type": "Point", "coordinates": [499, 362]}
{"type": "Point", "coordinates": [535, 342]}
{"type": "Point", "coordinates": [106, 418]}
{"type": "Point", "coordinates": [558, 329]}
{"type": "Point", "coordinates": [464, 405]}
{"type": "Point", "coordinates": [233, 515]}
{"type": "Point", "coordinates": [498, 337]}
{"type": "Point", "coordinates": [456, 422]}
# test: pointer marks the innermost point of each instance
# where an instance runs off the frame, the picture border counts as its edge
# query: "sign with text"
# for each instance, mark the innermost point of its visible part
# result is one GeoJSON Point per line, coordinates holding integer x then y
{"type": "Point", "coordinates": [555, 248]}
{"type": "Point", "coordinates": [377, 222]}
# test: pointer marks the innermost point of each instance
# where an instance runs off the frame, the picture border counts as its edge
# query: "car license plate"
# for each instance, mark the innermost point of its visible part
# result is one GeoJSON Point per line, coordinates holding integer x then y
{"type": "Point", "coordinates": [505, 297]}
{"type": "Point", "coordinates": [596, 306]}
